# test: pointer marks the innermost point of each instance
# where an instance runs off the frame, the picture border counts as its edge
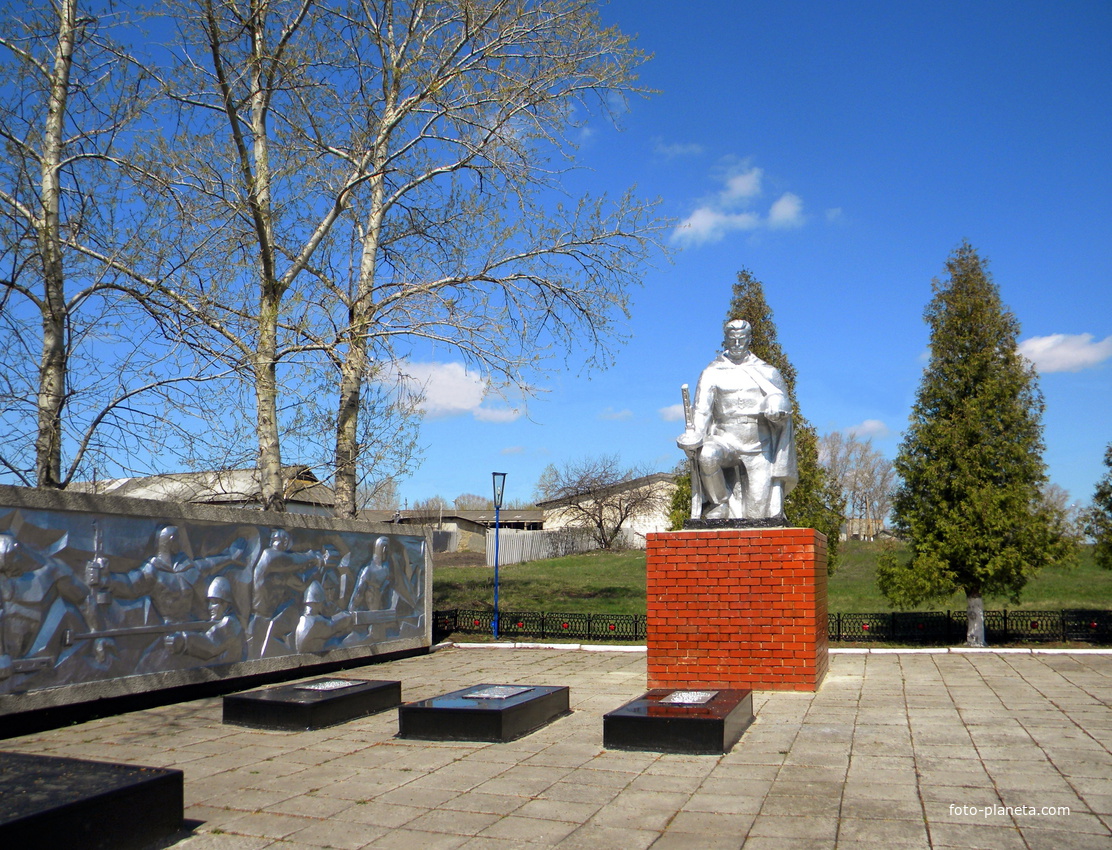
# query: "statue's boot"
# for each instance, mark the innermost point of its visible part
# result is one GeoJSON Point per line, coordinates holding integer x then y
{"type": "Point", "coordinates": [716, 492]}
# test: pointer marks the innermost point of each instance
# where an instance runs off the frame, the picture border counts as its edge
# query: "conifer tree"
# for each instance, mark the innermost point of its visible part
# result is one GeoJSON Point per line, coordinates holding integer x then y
{"type": "Point", "coordinates": [1098, 522]}
{"type": "Point", "coordinates": [815, 501]}
{"type": "Point", "coordinates": [969, 501]}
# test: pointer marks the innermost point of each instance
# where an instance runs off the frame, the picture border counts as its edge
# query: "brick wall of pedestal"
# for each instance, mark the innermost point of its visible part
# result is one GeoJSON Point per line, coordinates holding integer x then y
{"type": "Point", "coordinates": [737, 608]}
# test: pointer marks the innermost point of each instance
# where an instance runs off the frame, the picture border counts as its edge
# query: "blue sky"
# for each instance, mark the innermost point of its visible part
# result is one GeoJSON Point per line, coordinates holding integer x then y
{"type": "Point", "coordinates": [840, 151]}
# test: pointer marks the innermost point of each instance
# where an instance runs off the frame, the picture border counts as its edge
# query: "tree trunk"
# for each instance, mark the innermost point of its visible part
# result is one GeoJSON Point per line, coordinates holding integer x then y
{"type": "Point", "coordinates": [353, 367]}
{"type": "Point", "coordinates": [347, 427]}
{"type": "Point", "coordinates": [53, 364]}
{"type": "Point", "coordinates": [975, 620]}
{"type": "Point", "coordinates": [271, 486]}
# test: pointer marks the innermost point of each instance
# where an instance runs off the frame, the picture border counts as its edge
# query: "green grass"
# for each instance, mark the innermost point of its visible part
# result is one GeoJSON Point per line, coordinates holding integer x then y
{"type": "Point", "coordinates": [853, 588]}
{"type": "Point", "coordinates": [614, 583]}
{"type": "Point", "coordinates": [593, 583]}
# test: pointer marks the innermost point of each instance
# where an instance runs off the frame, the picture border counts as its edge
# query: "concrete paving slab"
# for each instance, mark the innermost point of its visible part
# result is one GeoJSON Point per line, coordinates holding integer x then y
{"type": "Point", "coordinates": [898, 749]}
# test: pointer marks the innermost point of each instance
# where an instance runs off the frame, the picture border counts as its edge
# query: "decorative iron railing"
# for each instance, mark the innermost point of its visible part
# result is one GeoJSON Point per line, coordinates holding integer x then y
{"type": "Point", "coordinates": [916, 628]}
{"type": "Point", "coordinates": [514, 625]}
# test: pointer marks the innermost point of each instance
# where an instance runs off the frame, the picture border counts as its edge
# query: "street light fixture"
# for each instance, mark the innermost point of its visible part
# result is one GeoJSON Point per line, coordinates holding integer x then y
{"type": "Point", "coordinates": [499, 488]}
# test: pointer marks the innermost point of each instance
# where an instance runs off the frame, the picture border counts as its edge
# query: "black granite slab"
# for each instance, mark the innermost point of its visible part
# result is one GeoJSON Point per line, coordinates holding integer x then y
{"type": "Point", "coordinates": [52, 802]}
{"type": "Point", "coordinates": [705, 727]}
{"type": "Point", "coordinates": [497, 713]}
{"type": "Point", "coordinates": [311, 705]}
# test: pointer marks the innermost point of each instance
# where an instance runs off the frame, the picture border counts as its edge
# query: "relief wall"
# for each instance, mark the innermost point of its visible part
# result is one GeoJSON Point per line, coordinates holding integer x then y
{"type": "Point", "coordinates": [94, 596]}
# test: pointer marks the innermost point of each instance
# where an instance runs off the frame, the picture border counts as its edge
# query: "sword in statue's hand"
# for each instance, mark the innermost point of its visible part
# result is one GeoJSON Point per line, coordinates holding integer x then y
{"type": "Point", "coordinates": [690, 443]}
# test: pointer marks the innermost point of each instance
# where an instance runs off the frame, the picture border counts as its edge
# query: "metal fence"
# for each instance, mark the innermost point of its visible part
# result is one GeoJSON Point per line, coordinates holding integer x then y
{"type": "Point", "coordinates": [515, 625]}
{"type": "Point", "coordinates": [915, 628]}
{"type": "Point", "coordinates": [516, 546]}
{"type": "Point", "coordinates": [948, 627]}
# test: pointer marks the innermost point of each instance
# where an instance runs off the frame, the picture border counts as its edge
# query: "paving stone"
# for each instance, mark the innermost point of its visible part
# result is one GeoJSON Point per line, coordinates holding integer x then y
{"type": "Point", "coordinates": [375, 813]}
{"type": "Point", "coordinates": [531, 830]}
{"type": "Point", "coordinates": [704, 824]}
{"type": "Point", "coordinates": [408, 839]}
{"type": "Point", "coordinates": [593, 836]}
{"type": "Point", "coordinates": [341, 835]}
{"type": "Point", "coordinates": [788, 827]}
{"type": "Point", "coordinates": [686, 841]}
{"type": "Point", "coordinates": [832, 769]}
{"type": "Point", "coordinates": [266, 824]}
{"type": "Point", "coordinates": [871, 832]}
{"type": "Point", "coordinates": [310, 805]}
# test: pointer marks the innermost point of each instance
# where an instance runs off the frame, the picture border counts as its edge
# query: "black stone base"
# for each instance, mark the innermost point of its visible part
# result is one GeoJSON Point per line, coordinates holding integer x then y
{"type": "Point", "coordinates": [459, 717]}
{"type": "Point", "coordinates": [50, 802]}
{"type": "Point", "coordinates": [765, 522]}
{"type": "Point", "coordinates": [709, 728]}
{"type": "Point", "coordinates": [311, 705]}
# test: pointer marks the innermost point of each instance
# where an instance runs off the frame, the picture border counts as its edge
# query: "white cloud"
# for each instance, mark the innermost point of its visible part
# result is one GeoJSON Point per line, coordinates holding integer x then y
{"type": "Point", "coordinates": [729, 209]}
{"type": "Point", "coordinates": [496, 414]}
{"type": "Point", "coordinates": [709, 225]}
{"type": "Point", "coordinates": [671, 151]}
{"type": "Point", "coordinates": [672, 413]}
{"type": "Point", "coordinates": [1065, 352]}
{"type": "Point", "coordinates": [869, 428]}
{"type": "Point", "coordinates": [513, 450]}
{"type": "Point", "coordinates": [448, 389]}
{"type": "Point", "coordinates": [787, 211]}
{"type": "Point", "coordinates": [741, 186]}
{"type": "Point", "coordinates": [617, 415]}
{"type": "Point", "coordinates": [834, 214]}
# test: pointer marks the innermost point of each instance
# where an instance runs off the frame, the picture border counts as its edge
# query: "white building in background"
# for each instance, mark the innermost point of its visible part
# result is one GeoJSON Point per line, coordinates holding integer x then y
{"type": "Point", "coordinates": [651, 514]}
{"type": "Point", "coordinates": [231, 488]}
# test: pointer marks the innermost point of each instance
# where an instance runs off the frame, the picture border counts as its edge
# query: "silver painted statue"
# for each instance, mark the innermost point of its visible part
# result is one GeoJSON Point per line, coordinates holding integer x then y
{"type": "Point", "coordinates": [739, 435]}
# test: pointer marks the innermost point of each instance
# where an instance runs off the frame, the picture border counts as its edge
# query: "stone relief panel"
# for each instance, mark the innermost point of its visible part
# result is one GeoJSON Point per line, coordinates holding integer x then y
{"type": "Point", "coordinates": [88, 597]}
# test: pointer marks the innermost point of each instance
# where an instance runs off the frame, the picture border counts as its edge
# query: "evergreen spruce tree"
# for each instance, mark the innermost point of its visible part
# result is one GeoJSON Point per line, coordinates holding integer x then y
{"type": "Point", "coordinates": [971, 469]}
{"type": "Point", "coordinates": [1098, 522]}
{"type": "Point", "coordinates": [815, 502]}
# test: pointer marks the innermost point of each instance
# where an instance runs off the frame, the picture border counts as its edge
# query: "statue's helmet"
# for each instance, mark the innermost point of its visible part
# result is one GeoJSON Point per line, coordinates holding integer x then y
{"type": "Point", "coordinates": [220, 588]}
{"type": "Point", "coordinates": [168, 535]}
{"type": "Point", "coordinates": [381, 545]}
{"type": "Point", "coordinates": [315, 593]}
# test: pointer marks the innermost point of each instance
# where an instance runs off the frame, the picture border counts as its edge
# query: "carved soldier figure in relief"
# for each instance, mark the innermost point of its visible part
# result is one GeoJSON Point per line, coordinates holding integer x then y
{"type": "Point", "coordinates": [739, 435]}
{"type": "Point", "coordinates": [224, 641]}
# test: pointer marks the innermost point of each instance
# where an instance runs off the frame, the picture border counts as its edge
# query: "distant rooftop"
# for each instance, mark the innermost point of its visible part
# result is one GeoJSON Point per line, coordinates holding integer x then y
{"type": "Point", "coordinates": [215, 487]}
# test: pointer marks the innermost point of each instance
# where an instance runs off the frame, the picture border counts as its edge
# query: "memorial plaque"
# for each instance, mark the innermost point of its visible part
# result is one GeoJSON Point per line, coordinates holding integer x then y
{"type": "Point", "coordinates": [47, 801]}
{"type": "Point", "coordinates": [664, 720]}
{"type": "Point", "coordinates": [311, 705]}
{"type": "Point", "coordinates": [486, 712]}
{"type": "Point", "coordinates": [689, 697]}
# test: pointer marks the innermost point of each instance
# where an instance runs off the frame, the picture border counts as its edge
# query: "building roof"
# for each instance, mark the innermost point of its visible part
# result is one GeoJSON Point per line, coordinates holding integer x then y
{"type": "Point", "coordinates": [621, 486]}
{"type": "Point", "coordinates": [217, 486]}
{"type": "Point", "coordinates": [484, 517]}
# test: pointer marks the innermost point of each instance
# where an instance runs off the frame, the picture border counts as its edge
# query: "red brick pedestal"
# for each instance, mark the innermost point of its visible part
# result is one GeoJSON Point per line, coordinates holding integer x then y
{"type": "Point", "coordinates": [737, 608]}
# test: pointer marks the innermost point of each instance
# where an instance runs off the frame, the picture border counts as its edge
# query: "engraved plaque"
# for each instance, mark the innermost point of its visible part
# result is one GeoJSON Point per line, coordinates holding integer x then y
{"type": "Point", "coordinates": [689, 697]}
{"type": "Point", "coordinates": [326, 685]}
{"type": "Point", "coordinates": [497, 692]}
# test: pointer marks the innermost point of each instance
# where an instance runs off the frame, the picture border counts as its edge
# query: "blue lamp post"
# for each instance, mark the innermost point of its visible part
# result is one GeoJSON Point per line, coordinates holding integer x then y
{"type": "Point", "coordinates": [499, 489]}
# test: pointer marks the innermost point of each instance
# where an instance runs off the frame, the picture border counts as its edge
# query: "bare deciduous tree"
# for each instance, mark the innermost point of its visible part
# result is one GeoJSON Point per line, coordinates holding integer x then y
{"type": "Point", "coordinates": [380, 174]}
{"type": "Point", "coordinates": [333, 189]}
{"type": "Point", "coordinates": [473, 502]}
{"type": "Point", "coordinates": [601, 495]}
{"type": "Point", "coordinates": [83, 369]}
{"type": "Point", "coordinates": [866, 479]}
{"type": "Point", "coordinates": [468, 108]}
